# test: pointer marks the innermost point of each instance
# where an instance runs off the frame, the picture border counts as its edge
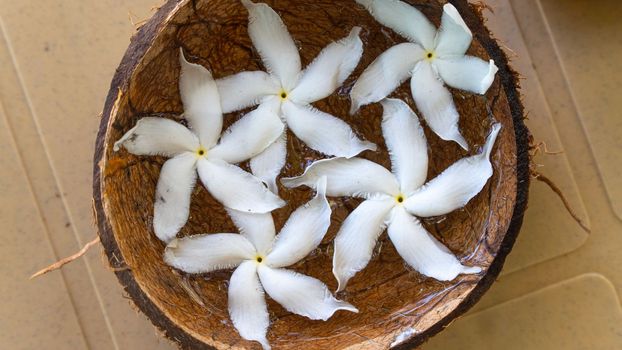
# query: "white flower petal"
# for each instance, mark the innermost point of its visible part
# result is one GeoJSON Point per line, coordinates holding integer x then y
{"type": "Point", "coordinates": [272, 103]}
{"type": "Point", "coordinates": [201, 101]}
{"type": "Point", "coordinates": [467, 73]}
{"type": "Point", "coordinates": [453, 37]}
{"type": "Point", "coordinates": [247, 304]}
{"type": "Point", "coordinates": [268, 164]}
{"type": "Point", "coordinates": [455, 186]}
{"type": "Point", "coordinates": [421, 250]}
{"type": "Point", "coordinates": [206, 253]}
{"type": "Point", "coordinates": [300, 294]}
{"type": "Point", "coordinates": [248, 137]}
{"type": "Point", "coordinates": [404, 19]}
{"type": "Point", "coordinates": [385, 74]}
{"type": "Point", "coordinates": [273, 43]}
{"type": "Point", "coordinates": [172, 203]}
{"type": "Point", "coordinates": [357, 238]}
{"type": "Point", "coordinates": [257, 228]}
{"type": "Point", "coordinates": [329, 69]}
{"type": "Point", "coordinates": [353, 177]}
{"type": "Point", "coordinates": [303, 231]}
{"type": "Point", "coordinates": [436, 104]}
{"type": "Point", "coordinates": [235, 188]}
{"type": "Point", "coordinates": [324, 132]}
{"type": "Point", "coordinates": [158, 136]}
{"type": "Point", "coordinates": [245, 89]}
{"type": "Point", "coordinates": [407, 144]}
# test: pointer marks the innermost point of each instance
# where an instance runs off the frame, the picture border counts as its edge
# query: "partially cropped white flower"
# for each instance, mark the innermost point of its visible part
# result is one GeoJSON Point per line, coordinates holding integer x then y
{"type": "Point", "coordinates": [290, 92]}
{"type": "Point", "coordinates": [198, 150]}
{"type": "Point", "coordinates": [394, 199]}
{"type": "Point", "coordinates": [260, 259]}
{"type": "Point", "coordinates": [430, 59]}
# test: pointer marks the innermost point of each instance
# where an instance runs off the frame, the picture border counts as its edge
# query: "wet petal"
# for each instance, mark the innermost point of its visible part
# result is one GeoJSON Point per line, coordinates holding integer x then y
{"type": "Point", "coordinates": [235, 188]}
{"type": "Point", "coordinates": [268, 164]}
{"type": "Point", "coordinates": [158, 136]}
{"type": "Point", "coordinates": [421, 250]}
{"type": "Point", "coordinates": [385, 74]}
{"type": "Point", "coordinates": [249, 136]}
{"type": "Point", "coordinates": [454, 37]}
{"type": "Point", "coordinates": [323, 132]}
{"type": "Point", "coordinates": [353, 177]}
{"type": "Point", "coordinates": [257, 228]}
{"type": "Point", "coordinates": [357, 238]}
{"type": "Point", "coordinates": [300, 294]}
{"type": "Point", "coordinates": [467, 73]}
{"type": "Point", "coordinates": [404, 19]}
{"type": "Point", "coordinates": [303, 231]}
{"type": "Point", "coordinates": [329, 69]}
{"type": "Point", "coordinates": [273, 43]}
{"type": "Point", "coordinates": [455, 186]}
{"type": "Point", "coordinates": [436, 104]}
{"type": "Point", "coordinates": [206, 253]}
{"type": "Point", "coordinates": [245, 89]}
{"type": "Point", "coordinates": [172, 203]}
{"type": "Point", "coordinates": [201, 101]}
{"type": "Point", "coordinates": [247, 304]}
{"type": "Point", "coordinates": [407, 144]}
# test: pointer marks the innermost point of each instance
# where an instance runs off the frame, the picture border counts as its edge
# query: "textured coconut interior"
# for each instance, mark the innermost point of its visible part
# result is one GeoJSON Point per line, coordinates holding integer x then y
{"type": "Point", "coordinates": [390, 295]}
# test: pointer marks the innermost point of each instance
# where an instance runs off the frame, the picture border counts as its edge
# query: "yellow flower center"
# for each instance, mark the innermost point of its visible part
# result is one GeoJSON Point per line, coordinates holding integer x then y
{"type": "Point", "coordinates": [430, 56]}
{"type": "Point", "coordinates": [283, 95]}
{"type": "Point", "coordinates": [259, 259]}
{"type": "Point", "coordinates": [201, 152]}
{"type": "Point", "coordinates": [399, 199]}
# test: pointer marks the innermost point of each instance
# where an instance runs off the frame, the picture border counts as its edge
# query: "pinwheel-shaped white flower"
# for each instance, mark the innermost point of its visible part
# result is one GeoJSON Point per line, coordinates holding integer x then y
{"type": "Point", "coordinates": [260, 258]}
{"type": "Point", "coordinates": [430, 59]}
{"type": "Point", "coordinates": [393, 199]}
{"type": "Point", "coordinates": [289, 92]}
{"type": "Point", "coordinates": [198, 150]}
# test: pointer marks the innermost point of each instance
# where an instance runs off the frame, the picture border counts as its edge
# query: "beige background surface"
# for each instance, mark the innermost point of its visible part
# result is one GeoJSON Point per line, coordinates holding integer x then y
{"type": "Point", "coordinates": [560, 288]}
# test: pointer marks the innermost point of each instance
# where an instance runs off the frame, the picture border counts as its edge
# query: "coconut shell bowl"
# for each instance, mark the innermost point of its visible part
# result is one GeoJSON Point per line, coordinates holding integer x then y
{"type": "Point", "coordinates": [399, 307]}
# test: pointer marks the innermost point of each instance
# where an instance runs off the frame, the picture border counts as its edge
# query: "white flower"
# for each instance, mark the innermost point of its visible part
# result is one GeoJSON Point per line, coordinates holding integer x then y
{"type": "Point", "coordinates": [260, 259]}
{"type": "Point", "coordinates": [393, 199]}
{"type": "Point", "coordinates": [430, 59]}
{"type": "Point", "coordinates": [289, 92]}
{"type": "Point", "coordinates": [197, 150]}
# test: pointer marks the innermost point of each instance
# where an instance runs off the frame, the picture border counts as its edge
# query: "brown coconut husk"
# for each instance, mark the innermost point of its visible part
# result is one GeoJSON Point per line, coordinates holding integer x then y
{"type": "Point", "coordinates": [395, 302]}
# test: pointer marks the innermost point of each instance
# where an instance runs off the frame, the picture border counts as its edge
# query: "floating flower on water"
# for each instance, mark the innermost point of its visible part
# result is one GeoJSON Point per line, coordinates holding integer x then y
{"type": "Point", "coordinates": [430, 59]}
{"type": "Point", "coordinates": [198, 150]}
{"type": "Point", "coordinates": [289, 92]}
{"type": "Point", "coordinates": [260, 259]}
{"type": "Point", "coordinates": [393, 200]}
